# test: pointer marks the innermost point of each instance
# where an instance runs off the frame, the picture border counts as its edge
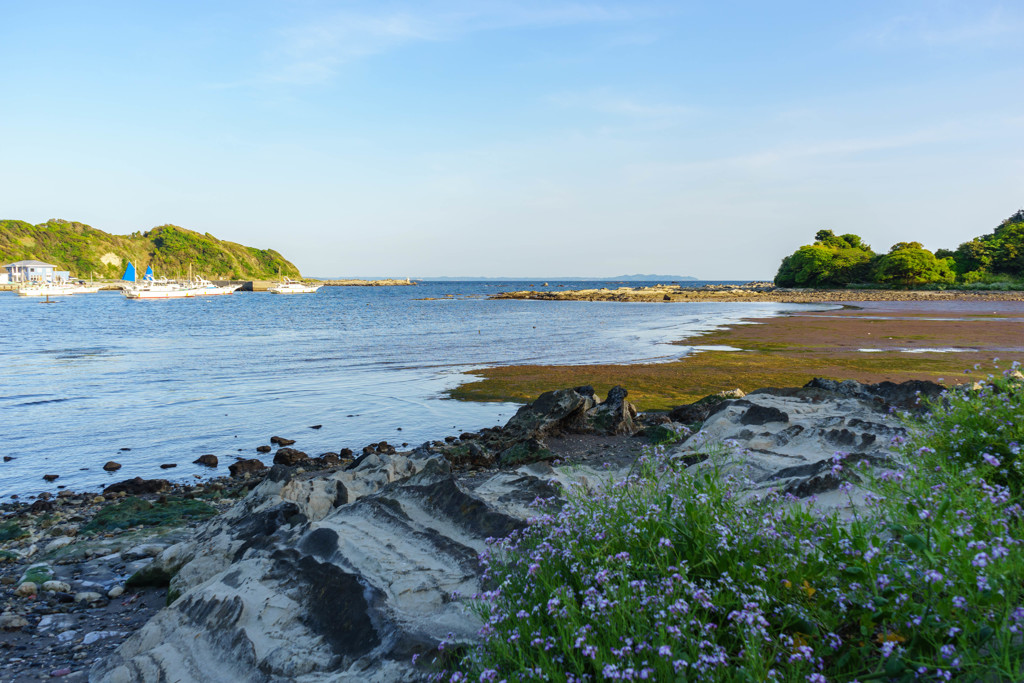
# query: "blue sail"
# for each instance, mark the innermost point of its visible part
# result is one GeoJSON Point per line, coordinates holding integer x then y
{"type": "Point", "coordinates": [129, 272]}
{"type": "Point", "coordinates": [149, 273]}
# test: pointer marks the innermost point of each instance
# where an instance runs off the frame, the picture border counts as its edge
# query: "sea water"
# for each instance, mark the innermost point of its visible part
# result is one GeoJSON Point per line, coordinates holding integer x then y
{"type": "Point", "coordinates": [86, 378]}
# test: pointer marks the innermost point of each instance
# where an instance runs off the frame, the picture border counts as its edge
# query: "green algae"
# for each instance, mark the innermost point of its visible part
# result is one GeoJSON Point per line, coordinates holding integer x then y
{"type": "Point", "coordinates": [138, 512]}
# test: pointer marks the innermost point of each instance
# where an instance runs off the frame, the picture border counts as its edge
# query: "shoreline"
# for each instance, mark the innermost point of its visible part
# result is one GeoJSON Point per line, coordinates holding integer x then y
{"type": "Point", "coordinates": [867, 341]}
{"type": "Point", "coordinates": [757, 292]}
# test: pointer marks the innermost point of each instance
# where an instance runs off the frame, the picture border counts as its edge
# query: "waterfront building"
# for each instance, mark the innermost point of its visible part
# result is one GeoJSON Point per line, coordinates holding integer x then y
{"type": "Point", "coordinates": [34, 271]}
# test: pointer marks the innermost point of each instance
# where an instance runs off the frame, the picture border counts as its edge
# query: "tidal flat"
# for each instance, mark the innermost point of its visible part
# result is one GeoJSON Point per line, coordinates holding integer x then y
{"type": "Point", "coordinates": [946, 341]}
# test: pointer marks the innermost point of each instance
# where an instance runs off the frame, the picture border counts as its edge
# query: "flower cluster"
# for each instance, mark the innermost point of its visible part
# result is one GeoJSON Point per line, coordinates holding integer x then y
{"type": "Point", "coordinates": [676, 574]}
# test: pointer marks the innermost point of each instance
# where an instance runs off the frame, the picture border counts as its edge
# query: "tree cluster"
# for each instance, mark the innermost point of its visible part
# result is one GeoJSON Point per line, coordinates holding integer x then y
{"type": "Point", "coordinates": [842, 260]}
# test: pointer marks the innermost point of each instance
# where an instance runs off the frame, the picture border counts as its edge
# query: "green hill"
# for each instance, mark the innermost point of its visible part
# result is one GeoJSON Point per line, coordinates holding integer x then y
{"type": "Point", "coordinates": [170, 250]}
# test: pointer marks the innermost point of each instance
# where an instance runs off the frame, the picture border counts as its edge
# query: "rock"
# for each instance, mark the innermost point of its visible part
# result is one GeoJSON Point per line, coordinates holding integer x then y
{"type": "Point", "coordinates": [97, 500]}
{"type": "Point", "coordinates": [615, 415]}
{"type": "Point", "coordinates": [209, 460]}
{"type": "Point", "coordinates": [115, 592]}
{"type": "Point", "coordinates": [26, 589]}
{"type": "Point", "coordinates": [88, 597]}
{"type": "Point", "coordinates": [903, 396]}
{"type": "Point", "coordinates": [244, 468]}
{"type": "Point", "coordinates": [289, 457]}
{"type": "Point", "coordinates": [37, 574]}
{"type": "Point", "coordinates": [138, 486]}
{"type": "Point", "coordinates": [168, 465]}
{"type": "Point", "coordinates": [316, 426]}
{"type": "Point", "coordinates": [112, 466]}
{"type": "Point", "coordinates": [281, 441]}
{"type": "Point", "coordinates": [263, 449]}
{"type": "Point", "coordinates": [56, 587]}
{"type": "Point", "coordinates": [51, 477]}
{"type": "Point", "coordinates": [345, 453]}
{"type": "Point", "coordinates": [42, 505]}
{"type": "Point", "coordinates": [93, 636]}
{"type": "Point", "coordinates": [553, 412]}
{"type": "Point", "coordinates": [12, 622]}
{"type": "Point", "coordinates": [698, 411]}
{"type": "Point", "coordinates": [8, 458]}
{"type": "Point", "coordinates": [791, 439]}
{"type": "Point", "coordinates": [58, 543]}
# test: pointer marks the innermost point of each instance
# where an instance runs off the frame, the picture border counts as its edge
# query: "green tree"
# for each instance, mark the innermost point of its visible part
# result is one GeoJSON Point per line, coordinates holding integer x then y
{"type": "Point", "coordinates": [832, 261]}
{"type": "Point", "coordinates": [909, 264]}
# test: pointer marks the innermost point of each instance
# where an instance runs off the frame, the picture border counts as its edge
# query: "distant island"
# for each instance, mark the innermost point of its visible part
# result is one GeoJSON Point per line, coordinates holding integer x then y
{"type": "Point", "coordinates": [617, 278]}
{"type": "Point", "coordinates": [170, 250]}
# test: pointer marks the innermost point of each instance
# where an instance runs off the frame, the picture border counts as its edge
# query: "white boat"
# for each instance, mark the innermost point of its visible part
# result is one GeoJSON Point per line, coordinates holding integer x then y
{"type": "Point", "coordinates": [83, 288]}
{"type": "Point", "coordinates": [166, 289]}
{"type": "Point", "coordinates": [289, 286]}
{"type": "Point", "coordinates": [151, 288]}
{"type": "Point", "coordinates": [46, 289]}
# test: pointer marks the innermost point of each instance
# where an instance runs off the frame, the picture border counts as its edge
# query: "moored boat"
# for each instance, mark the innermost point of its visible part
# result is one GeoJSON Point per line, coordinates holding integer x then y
{"type": "Point", "coordinates": [289, 286]}
{"type": "Point", "coordinates": [152, 288]}
{"type": "Point", "coordinates": [46, 289]}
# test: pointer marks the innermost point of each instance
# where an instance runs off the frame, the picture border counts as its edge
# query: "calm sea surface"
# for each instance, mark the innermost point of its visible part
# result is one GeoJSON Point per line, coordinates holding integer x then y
{"type": "Point", "coordinates": [83, 378]}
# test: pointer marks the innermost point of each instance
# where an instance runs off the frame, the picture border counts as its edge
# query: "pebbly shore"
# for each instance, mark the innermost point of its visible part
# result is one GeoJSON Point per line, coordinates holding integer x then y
{"type": "Point", "coordinates": [756, 292]}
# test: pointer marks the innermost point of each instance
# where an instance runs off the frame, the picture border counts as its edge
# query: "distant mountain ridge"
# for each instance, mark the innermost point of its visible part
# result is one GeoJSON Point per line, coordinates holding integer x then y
{"type": "Point", "coordinates": [170, 250]}
{"type": "Point", "coordinates": [617, 278]}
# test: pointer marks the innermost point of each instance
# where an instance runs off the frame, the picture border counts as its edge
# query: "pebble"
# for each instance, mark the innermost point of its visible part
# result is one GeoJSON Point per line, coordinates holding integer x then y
{"type": "Point", "coordinates": [56, 587]}
{"type": "Point", "coordinates": [93, 636]}
{"type": "Point", "coordinates": [26, 589]}
{"type": "Point", "coordinates": [115, 592]}
{"type": "Point", "coordinates": [58, 543]}
{"type": "Point", "coordinates": [12, 622]}
{"type": "Point", "coordinates": [87, 596]}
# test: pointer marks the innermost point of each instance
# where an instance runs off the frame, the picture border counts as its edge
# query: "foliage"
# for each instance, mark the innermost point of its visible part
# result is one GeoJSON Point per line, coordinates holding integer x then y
{"type": "Point", "coordinates": [830, 262]}
{"type": "Point", "coordinates": [909, 264]}
{"type": "Point", "coordinates": [678, 576]}
{"type": "Point", "coordinates": [844, 260]}
{"type": "Point", "coordinates": [170, 250]}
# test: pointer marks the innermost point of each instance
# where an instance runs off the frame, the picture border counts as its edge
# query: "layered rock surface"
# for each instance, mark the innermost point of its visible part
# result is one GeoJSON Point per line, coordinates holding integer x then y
{"type": "Point", "coordinates": [345, 574]}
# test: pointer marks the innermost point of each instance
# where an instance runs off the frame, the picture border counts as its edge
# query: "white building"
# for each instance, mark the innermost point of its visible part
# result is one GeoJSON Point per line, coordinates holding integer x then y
{"type": "Point", "coordinates": [32, 271]}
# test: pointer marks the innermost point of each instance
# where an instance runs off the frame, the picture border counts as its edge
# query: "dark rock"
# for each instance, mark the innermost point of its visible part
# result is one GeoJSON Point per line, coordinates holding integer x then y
{"type": "Point", "coordinates": [51, 477]}
{"type": "Point", "coordinates": [246, 467]}
{"type": "Point", "coordinates": [40, 506]}
{"type": "Point", "coordinates": [125, 449]}
{"type": "Point", "coordinates": [263, 449]}
{"type": "Point", "coordinates": [209, 460]}
{"type": "Point", "coordinates": [281, 441]}
{"type": "Point", "coordinates": [289, 457]}
{"type": "Point", "coordinates": [615, 415]}
{"type": "Point", "coordinates": [345, 453]}
{"type": "Point", "coordinates": [450, 439]}
{"type": "Point", "coordinates": [8, 458]}
{"type": "Point", "coordinates": [168, 466]}
{"type": "Point", "coordinates": [316, 426]}
{"type": "Point", "coordinates": [698, 411]}
{"type": "Point", "coordinates": [759, 415]}
{"type": "Point", "coordinates": [554, 412]}
{"type": "Point", "coordinates": [112, 466]}
{"type": "Point", "coordinates": [138, 486]}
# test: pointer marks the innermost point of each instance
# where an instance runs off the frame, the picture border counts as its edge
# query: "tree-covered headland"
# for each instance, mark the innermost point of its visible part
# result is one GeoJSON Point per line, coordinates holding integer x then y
{"type": "Point", "coordinates": [991, 261]}
{"type": "Point", "coordinates": [169, 249]}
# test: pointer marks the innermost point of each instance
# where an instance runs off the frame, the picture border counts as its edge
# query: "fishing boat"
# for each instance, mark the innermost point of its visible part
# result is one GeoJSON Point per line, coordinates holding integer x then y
{"type": "Point", "coordinates": [46, 289]}
{"type": "Point", "coordinates": [289, 286]}
{"type": "Point", "coordinates": [153, 288]}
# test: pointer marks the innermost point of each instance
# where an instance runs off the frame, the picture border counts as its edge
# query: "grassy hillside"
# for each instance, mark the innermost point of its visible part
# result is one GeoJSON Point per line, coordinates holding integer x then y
{"type": "Point", "coordinates": [170, 250]}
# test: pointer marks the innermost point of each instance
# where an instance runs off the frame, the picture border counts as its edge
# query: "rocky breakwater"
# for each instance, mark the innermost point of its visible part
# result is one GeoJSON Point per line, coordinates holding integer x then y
{"type": "Point", "coordinates": [755, 292]}
{"type": "Point", "coordinates": [351, 572]}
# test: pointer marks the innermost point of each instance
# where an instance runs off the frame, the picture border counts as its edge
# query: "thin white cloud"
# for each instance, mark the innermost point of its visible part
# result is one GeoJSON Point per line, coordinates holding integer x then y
{"type": "Point", "coordinates": [974, 28]}
{"type": "Point", "coordinates": [312, 52]}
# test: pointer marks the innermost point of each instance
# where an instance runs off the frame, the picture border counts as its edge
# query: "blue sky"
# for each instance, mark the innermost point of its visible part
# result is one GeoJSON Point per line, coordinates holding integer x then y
{"type": "Point", "coordinates": [517, 138]}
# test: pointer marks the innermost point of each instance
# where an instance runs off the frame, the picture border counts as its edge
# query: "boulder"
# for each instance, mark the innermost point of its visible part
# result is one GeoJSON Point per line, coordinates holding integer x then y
{"type": "Point", "coordinates": [209, 460]}
{"type": "Point", "coordinates": [263, 449]}
{"type": "Point", "coordinates": [554, 412]}
{"type": "Point", "coordinates": [138, 486]}
{"type": "Point", "coordinates": [289, 457]}
{"type": "Point", "coordinates": [614, 415]}
{"type": "Point", "coordinates": [112, 466]}
{"type": "Point", "coordinates": [244, 468]}
{"type": "Point", "coordinates": [281, 441]}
